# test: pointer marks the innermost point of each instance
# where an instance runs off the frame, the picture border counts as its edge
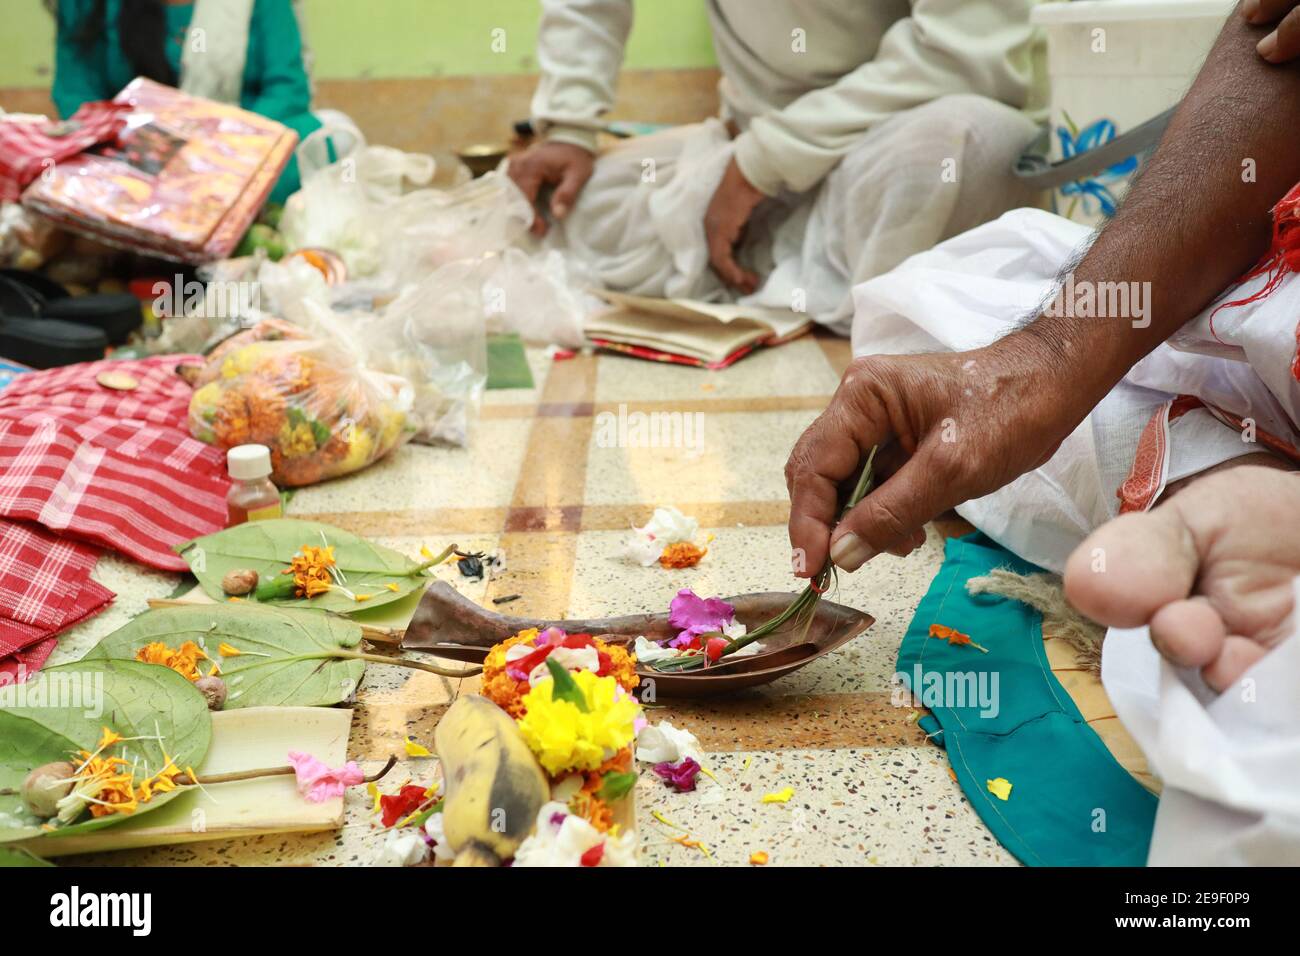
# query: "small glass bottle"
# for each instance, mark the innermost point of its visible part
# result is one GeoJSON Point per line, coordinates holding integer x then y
{"type": "Point", "coordinates": [252, 495]}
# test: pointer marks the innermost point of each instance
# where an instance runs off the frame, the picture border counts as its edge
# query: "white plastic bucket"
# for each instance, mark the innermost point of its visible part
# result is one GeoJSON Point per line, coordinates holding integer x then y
{"type": "Point", "coordinates": [1113, 65]}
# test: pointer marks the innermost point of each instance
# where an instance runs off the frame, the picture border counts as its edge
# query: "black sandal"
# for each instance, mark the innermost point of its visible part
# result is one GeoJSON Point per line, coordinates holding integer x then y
{"type": "Point", "coordinates": [47, 343]}
{"type": "Point", "coordinates": [31, 295]}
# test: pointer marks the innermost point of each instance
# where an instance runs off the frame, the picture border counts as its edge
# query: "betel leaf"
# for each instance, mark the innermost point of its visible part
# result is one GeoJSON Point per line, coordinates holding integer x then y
{"type": "Point", "coordinates": [267, 547]}
{"type": "Point", "coordinates": [615, 785]}
{"type": "Point", "coordinates": [63, 710]}
{"type": "Point", "coordinates": [288, 657]}
{"type": "Point", "coordinates": [17, 856]}
{"type": "Point", "coordinates": [566, 688]}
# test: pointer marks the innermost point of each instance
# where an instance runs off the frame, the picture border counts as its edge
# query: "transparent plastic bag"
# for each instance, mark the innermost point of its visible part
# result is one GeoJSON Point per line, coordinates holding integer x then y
{"type": "Point", "coordinates": [429, 228]}
{"type": "Point", "coordinates": [433, 336]}
{"type": "Point", "coordinates": [321, 414]}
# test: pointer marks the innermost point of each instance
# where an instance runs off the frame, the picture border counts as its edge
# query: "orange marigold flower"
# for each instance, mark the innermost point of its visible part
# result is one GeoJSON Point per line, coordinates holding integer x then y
{"type": "Point", "coordinates": [310, 570]}
{"type": "Point", "coordinates": [184, 660]}
{"type": "Point", "coordinates": [682, 554]}
{"type": "Point", "coordinates": [507, 691]}
{"type": "Point", "coordinates": [954, 636]}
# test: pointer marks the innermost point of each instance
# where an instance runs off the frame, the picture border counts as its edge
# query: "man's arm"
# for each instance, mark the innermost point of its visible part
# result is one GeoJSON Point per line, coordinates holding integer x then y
{"type": "Point", "coordinates": [579, 52]}
{"type": "Point", "coordinates": [1196, 220]}
{"type": "Point", "coordinates": [944, 47]}
{"type": "Point", "coordinates": [1198, 217]}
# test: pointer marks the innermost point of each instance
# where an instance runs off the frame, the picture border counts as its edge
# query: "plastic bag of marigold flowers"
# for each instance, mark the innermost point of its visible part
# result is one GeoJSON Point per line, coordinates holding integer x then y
{"type": "Point", "coordinates": [319, 412]}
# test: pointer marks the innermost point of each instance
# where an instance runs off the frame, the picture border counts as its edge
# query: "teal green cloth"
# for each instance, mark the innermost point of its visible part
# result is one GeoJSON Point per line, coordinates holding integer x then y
{"type": "Point", "coordinates": [275, 81]}
{"type": "Point", "coordinates": [1071, 803]}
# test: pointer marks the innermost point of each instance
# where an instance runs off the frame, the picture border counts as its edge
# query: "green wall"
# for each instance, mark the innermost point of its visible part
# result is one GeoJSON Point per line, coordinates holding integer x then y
{"type": "Point", "coordinates": [355, 39]}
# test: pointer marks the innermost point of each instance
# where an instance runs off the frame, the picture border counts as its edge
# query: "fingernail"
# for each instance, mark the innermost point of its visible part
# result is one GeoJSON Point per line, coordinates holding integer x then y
{"type": "Point", "coordinates": [1250, 9]}
{"type": "Point", "coordinates": [560, 209]}
{"type": "Point", "coordinates": [850, 552]}
{"type": "Point", "coordinates": [1268, 46]}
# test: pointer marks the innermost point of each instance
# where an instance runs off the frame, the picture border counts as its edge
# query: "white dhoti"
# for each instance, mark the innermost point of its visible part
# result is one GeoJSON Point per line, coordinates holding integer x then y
{"type": "Point", "coordinates": [975, 288]}
{"type": "Point", "coordinates": [918, 178]}
{"type": "Point", "coordinates": [1230, 764]}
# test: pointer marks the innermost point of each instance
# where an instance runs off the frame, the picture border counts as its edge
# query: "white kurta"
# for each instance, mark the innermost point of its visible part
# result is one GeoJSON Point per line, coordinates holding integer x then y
{"type": "Point", "coordinates": [879, 128]}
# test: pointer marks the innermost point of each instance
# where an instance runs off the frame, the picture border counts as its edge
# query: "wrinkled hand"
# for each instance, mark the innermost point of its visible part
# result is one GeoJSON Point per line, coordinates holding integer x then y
{"type": "Point", "coordinates": [724, 223]}
{"type": "Point", "coordinates": [949, 426]}
{"type": "Point", "coordinates": [562, 165]}
{"type": "Point", "coordinates": [1283, 44]}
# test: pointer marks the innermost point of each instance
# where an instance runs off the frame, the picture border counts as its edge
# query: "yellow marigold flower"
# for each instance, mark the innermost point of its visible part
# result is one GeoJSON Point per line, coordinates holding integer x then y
{"type": "Point", "coordinates": [565, 737]}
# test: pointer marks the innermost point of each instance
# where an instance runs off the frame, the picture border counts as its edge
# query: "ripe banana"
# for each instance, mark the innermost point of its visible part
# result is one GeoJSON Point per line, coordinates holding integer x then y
{"type": "Point", "coordinates": [494, 786]}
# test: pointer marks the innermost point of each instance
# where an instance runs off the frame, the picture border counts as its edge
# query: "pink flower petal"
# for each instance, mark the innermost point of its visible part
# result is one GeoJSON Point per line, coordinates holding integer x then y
{"type": "Point", "coordinates": [317, 782]}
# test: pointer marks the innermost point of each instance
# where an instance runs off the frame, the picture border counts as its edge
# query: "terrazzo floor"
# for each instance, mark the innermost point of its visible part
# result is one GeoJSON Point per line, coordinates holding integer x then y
{"type": "Point", "coordinates": [536, 482]}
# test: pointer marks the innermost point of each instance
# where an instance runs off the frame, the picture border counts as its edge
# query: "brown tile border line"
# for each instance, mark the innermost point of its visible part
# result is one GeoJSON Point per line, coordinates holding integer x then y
{"type": "Point", "coordinates": [765, 403]}
{"type": "Point", "coordinates": [537, 518]}
{"type": "Point", "coordinates": [712, 515]}
{"type": "Point", "coordinates": [757, 720]}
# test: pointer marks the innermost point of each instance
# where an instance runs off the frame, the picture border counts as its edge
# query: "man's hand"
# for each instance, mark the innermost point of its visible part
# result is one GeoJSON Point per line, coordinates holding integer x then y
{"type": "Point", "coordinates": [1283, 44]}
{"type": "Point", "coordinates": [949, 427]}
{"type": "Point", "coordinates": [562, 165]}
{"type": "Point", "coordinates": [724, 224]}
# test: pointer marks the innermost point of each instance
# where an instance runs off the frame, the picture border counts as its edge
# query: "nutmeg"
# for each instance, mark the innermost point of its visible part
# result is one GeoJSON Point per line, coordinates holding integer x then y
{"type": "Point", "coordinates": [213, 690]}
{"type": "Point", "coordinates": [239, 582]}
{"type": "Point", "coordinates": [46, 786]}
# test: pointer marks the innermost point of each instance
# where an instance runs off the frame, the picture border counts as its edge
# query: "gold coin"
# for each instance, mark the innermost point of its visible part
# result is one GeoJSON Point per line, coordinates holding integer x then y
{"type": "Point", "coordinates": [118, 381]}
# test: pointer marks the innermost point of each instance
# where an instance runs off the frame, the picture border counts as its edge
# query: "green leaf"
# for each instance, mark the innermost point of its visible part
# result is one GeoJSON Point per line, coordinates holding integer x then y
{"type": "Point", "coordinates": [423, 818]}
{"type": "Point", "coordinates": [268, 546]}
{"type": "Point", "coordinates": [17, 856]}
{"type": "Point", "coordinates": [287, 657]}
{"type": "Point", "coordinates": [63, 710]}
{"type": "Point", "coordinates": [566, 688]}
{"type": "Point", "coordinates": [615, 785]}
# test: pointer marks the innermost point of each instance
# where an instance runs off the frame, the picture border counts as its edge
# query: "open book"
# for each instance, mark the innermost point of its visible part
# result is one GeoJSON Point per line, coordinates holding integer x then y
{"type": "Point", "coordinates": [688, 331]}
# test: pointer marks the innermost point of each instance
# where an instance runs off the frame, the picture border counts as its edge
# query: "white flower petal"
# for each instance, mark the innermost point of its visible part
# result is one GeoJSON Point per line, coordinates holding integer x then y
{"type": "Point", "coordinates": [647, 652]}
{"type": "Point", "coordinates": [403, 848]}
{"type": "Point", "coordinates": [664, 743]}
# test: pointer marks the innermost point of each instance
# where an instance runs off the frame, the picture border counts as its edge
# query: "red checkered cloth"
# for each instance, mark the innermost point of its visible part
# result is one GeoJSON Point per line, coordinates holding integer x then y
{"type": "Point", "coordinates": [112, 468]}
{"type": "Point", "coordinates": [45, 588]}
{"type": "Point", "coordinates": [30, 146]}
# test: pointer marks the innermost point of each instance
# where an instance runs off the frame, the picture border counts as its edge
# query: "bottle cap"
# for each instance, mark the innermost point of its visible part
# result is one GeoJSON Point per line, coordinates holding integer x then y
{"type": "Point", "coordinates": [246, 462]}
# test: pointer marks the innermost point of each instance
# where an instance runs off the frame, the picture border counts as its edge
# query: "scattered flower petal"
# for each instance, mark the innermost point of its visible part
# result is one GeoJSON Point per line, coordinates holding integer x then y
{"type": "Point", "coordinates": [682, 554]}
{"type": "Point", "coordinates": [317, 782]}
{"type": "Point", "coordinates": [758, 858]}
{"type": "Point", "coordinates": [1000, 787]}
{"type": "Point", "coordinates": [680, 776]}
{"type": "Point", "coordinates": [781, 796]}
{"type": "Point", "coordinates": [435, 829]}
{"type": "Point", "coordinates": [953, 636]}
{"type": "Point", "coordinates": [402, 848]}
{"type": "Point", "coordinates": [416, 749]}
{"type": "Point", "coordinates": [664, 743]}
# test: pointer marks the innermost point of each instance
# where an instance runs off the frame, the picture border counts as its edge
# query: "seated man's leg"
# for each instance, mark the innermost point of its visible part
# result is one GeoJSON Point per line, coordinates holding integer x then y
{"type": "Point", "coordinates": [1210, 568]}
{"type": "Point", "coordinates": [917, 179]}
{"type": "Point", "coordinates": [636, 224]}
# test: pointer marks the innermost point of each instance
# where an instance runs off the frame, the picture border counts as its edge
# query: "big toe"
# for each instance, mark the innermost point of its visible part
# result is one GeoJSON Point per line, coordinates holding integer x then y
{"type": "Point", "coordinates": [1131, 567]}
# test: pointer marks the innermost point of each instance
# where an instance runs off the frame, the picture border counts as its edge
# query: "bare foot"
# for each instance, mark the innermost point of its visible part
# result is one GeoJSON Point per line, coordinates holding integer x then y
{"type": "Point", "coordinates": [1210, 570]}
